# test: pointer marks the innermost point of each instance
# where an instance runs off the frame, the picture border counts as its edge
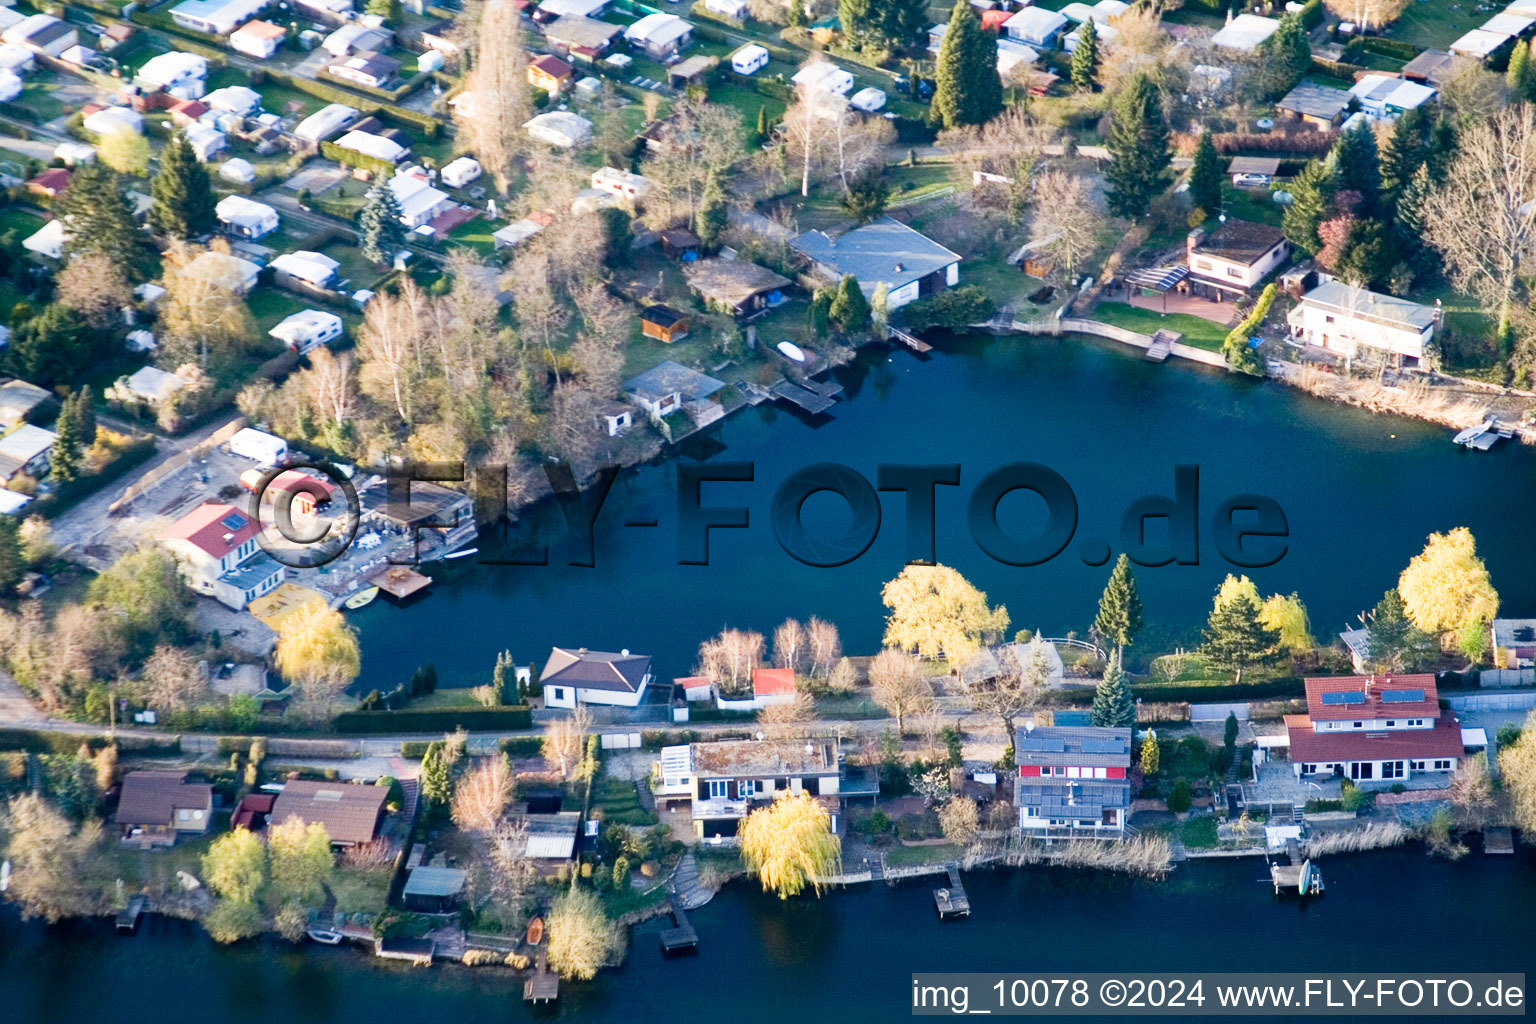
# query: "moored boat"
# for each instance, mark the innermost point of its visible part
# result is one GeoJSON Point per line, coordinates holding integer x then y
{"type": "Point", "coordinates": [325, 936]}
{"type": "Point", "coordinates": [361, 598]}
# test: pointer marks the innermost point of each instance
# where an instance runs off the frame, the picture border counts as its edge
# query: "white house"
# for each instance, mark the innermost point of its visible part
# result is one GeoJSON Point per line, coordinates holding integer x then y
{"type": "Point", "coordinates": [18, 60]}
{"type": "Point", "coordinates": [150, 384]}
{"type": "Point", "coordinates": [885, 251]}
{"type": "Point", "coordinates": [1226, 263]}
{"type": "Point", "coordinates": [266, 449]}
{"type": "Point", "coordinates": [378, 147]}
{"type": "Point", "coordinates": [325, 122]}
{"type": "Point", "coordinates": [239, 170]}
{"type": "Point", "coordinates": [234, 99]}
{"type": "Point", "coordinates": [660, 35]}
{"type": "Point", "coordinates": [1480, 44]}
{"type": "Point", "coordinates": [1387, 97]}
{"type": "Point", "coordinates": [216, 544]}
{"type": "Point", "coordinates": [736, 10]}
{"type": "Point", "coordinates": [47, 240]}
{"type": "Point", "coordinates": [206, 141]}
{"type": "Point", "coordinates": [1245, 32]}
{"type": "Point", "coordinates": [1072, 781]}
{"type": "Point", "coordinates": [461, 172]}
{"type": "Point", "coordinates": [112, 119]}
{"type": "Point", "coordinates": [355, 37]}
{"type": "Point", "coordinates": [246, 218]}
{"type": "Point", "coordinates": [580, 676]}
{"type": "Point", "coordinates": [823, 76]}
{"type": "Point", "coordinates": [44, 34]}
{"type": "Point", "coordinates": [216, 17]}
{"type": "Point", "coordinates": [304, 267]}
{"type": "Point", "coordinates": [723, 780]}
{"type": "Point", "coordinates": [307, 329]}
{"type": "Point", "coordinates": [1035, 26]}
{"type": "Point", "coordinates": [420, 202]}
{"type": "Point", "coordinates": [625, 184]}
{"type": "Point", "coordinates": [1346, 319]}
{"type": "Point", "coordinates": [1107, 35]}
{"type": "Point", "coordinates": [259, 39]}
{"type": "Point", "coordinates": [26, 450]}
{"type": "Point", "coordinates": [1386, 730]}
{"type": "Point", "coordinates": [572, 8]}
{"type": "Point", "coordinates": [868, 99]}
{"type": "Point", "coordinates": [10, 86]}
{"type": "Point", "coordinates": [177, 73]}
{"type": "Point", "coordinates": [560, 128]}
{"type": "Point", "coordinates": [749, 58]}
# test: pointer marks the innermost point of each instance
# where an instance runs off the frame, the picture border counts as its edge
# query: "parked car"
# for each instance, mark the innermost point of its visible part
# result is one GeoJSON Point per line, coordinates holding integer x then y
{"type": "Point", "coordinates": [1250, 181]}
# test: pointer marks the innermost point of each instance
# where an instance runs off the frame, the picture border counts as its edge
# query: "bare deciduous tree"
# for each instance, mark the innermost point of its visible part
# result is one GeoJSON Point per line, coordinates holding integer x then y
{"type": "Point", "coordinates": [565, 740]}
{"type": "Point", "coordinates": [330, 385]}
{"type": "Point", "coordinates": [728, 660]}
{"type": "Point", "coordinates": [482, 795]}
{"type": "Point", "coordinates": [93, 285]}
{"type": "Point", "coordinates": [202, 314]}
{"type": "Point", "coordinates": [824, 646]}
{"type": "Point", "coordinates": [696, 140]}
{"type": "Point", "coordinates": [1015, 685]}
{"type": "Point", "coordinates": [511, 874]}
{"type": "Point", "coordinates": [790, 718]}
{"type": "Point", "coordinates": [172, 680]}
{"type": "Point", "coordinates": [809, 134]}
{"type": "Point", "coordinates": [896, 679]}
{"type": "Point", "coordinates": [1066, 221]}
{"type": "Point", "coordinates": [1003, 153]}
{"type": "Point", "coordinates": [390, 345]}
{"type": "Point", "coordinates": [496, 103]}
{"type": "Point", "coordinates": [790, 645]}
{"type": "Point", "coordinates": [1368, 14]}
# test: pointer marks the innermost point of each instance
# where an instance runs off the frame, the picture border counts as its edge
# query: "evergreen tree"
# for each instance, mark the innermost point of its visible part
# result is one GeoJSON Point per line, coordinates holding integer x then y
{"type": "Point", "coordinates": [1311, 190]}
{"type": "Point", "coordinates": [903, 22]}
{"type": "Point", "coordinates": [1119, 618]}
{"type": "Point", "coordinates": [1205, 177]}
{"type": "Point", "coordinates": [764, 125]}
{"type": "Point", "coordinates": [503, 680]}
{"type": "Point", "coordinates": [1406, 151]}
{"type": "Point", "coordinates": [1085, 59]}
{"type": "Point", "coordinates": [381, 233]}
{"type": "Point", "coordinates": [436, 782]}
{"type": "Point", "coordinates": [392, 11]}
{"type": "Point", "coordinates": [182, 192]}
{"type": "Point", "coordinates": [712, 214]}
{"type": "Point", "coordinates": [85, 410]}
{"type": "Point", "coordinates": [1408, 226]}
{"type": "Point", "coordinates": [50, 347]}
{"type": "Point", "coordinates": [1520, 76]}
{"type": "Point", "coordinates": [97, 215]}
{"type": "Point", "coordinates": [967, 89]}
{"type": "Point", "coordinates": [1369, 257]}
{"type": "Point", "coordinates": [1150, 756]}
{"type": "Point", "coordinates": [795, 16]}
{"type": "Point", "coordinates": [1286, 56]}
{"type": "Point", "coordinates": [1138, 148]}
{"type": "Point", "coordinates": [1113, 705]}
{"type": "Point", "coordinates": [1234, 635]}
{"type": "Point", "coordinates": [1355, 166]}
{"type": "Point", "coordinates": [860, 20]}
{"type": "Point", "coordinates": [64, 460]}
{"type": "Point", "coordinates": [13, 564]}
{"type": "Point", "coordinates": [819, 314]}
{"type": "Point", "coordinates": [429, 677]}
{"type": "Point", "coordinates": [849, 309]}
{"type": "Point", "coordinates": [535, 684]}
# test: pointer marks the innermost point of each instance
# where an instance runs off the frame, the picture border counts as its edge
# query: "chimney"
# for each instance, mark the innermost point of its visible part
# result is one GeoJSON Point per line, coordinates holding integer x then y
{"type": "Point", "coordinates": [899, 268]}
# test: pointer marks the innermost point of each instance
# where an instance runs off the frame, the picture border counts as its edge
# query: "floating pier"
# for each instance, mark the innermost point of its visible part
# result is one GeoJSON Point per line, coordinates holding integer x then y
{"type": "Point", "coordinates": [910, 340]}
{"type": "Point", "coordinates": [400, 582]}
{"type": "Point", "coordinates": [1299, 874]}
{"type": "Point", "coordinates": [1499, 841]}
{"type": "Point", "coordinates": [128, 917]}
{"type": "Point", "coordinates": [681, 936]}
{"type": "Point", "coordinates": [1483, 436]}
{"type": "Point", "coordinates": [951, 900]}
{"type": "Point", "coordinates": [814, 398]}
{"type": "Point", "coordinates": [413, 951]}
{"type": "Point", "coordinates": [544, 986]}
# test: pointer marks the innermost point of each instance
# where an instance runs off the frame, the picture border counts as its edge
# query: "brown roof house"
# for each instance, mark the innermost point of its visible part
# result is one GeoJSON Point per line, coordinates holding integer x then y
{"type": "Point", "coordinates": [1229, 261]}
{"type": "Point", "coordinates": [155, 807]}
{"type": "Point", "coordinates": [735, 286]}
{"type": "Point", "coordinates": [663, 323]}
{"type": "Point", "coordinates": [350, 813]}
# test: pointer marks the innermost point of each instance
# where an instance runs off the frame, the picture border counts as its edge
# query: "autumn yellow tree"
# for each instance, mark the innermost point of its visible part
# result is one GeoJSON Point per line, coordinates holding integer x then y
{"type": "Point", "coordinates": [582, 937]}
{"type": "Point", "coordinates": [1286, 615]}
{"type": "Point", "coordinates": [937, 612]}
{"type": "Point", "coordinates": [124, 150]}
{"type": "Point", "coordinates": [790, 843]}
{"type": "Point", "coordinates": [1517, 766]}
{"type": "Point", "coordinates": [301, 860]}
{"type": "Point", "coordinates": [1446, 589]}
{"type": "Point", "coordinates": [317, 652]}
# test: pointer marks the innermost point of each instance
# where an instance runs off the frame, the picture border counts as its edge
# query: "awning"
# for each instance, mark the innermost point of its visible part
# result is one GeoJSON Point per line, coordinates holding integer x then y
{"type": "Point", "coordinates": [1159, 278]}
{"type": "Point", "coordinates": [1474, 737]}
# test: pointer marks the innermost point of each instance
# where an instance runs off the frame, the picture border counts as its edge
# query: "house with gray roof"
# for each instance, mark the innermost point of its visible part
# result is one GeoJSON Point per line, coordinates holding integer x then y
{"type": "Point", "coordinates": [910, 264]}
{"type": "Point", "coordinates": [669, 388]}
{"type": "Point", "coordinates": [579, 676]}
{"type": "Point", "coordinates": [1347, 319]}
{"type": "Point", "coordinates": [1073, 781]}
{"type": "Point", "coordinates": [1315, 105]}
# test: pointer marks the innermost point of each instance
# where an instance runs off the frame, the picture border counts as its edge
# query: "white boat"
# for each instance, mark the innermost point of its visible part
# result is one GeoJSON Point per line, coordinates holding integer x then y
{"type": "Point", "coordinates": [325, 936]}
{"type": "Point", "coordinates": [361, 598]}
{"type": "Point", "coordinates": [5, 876]}
{"type": "Point", "coordinates": [462, 554]}
{"type": "Point", "coordinates": [792, 351]}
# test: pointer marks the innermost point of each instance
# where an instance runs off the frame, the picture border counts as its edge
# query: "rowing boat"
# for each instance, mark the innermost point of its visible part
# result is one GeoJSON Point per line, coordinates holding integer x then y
{"type": "Point", "coordinates": [360, 599]}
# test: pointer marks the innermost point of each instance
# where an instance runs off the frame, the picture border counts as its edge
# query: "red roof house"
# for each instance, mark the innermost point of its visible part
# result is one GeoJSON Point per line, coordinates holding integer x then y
{"type": "Point", "coordinates": [773, 686]}
{"type": "Point", "coordinates": [218, 545]}
{"type": "Point", "coordinates": [50, 183]}
{"type": "Point", "coordinates": [695, 687]}
{"type": "Point", "coordinates": [1374, 729]}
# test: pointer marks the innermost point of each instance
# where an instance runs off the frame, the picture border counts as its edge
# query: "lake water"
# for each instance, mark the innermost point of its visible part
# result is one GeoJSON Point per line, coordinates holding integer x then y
{"type": "Point", "coordinates": [1361, 493]}
{"type": "Point", "coordinates": [848, 956]}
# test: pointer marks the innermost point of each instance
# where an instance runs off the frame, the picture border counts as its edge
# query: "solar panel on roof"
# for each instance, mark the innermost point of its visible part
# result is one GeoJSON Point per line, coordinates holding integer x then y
{"type": "Point", "coordinates": [1401, 696]}
{"type": "Point", "coordinates": [1101, 746]}
{"type": "Point", "coordinates": [1343, 697]}
{"type": "Point", "coordinates": [233, 521]}
{"type": "Point", "coordinates": [1044, 744]}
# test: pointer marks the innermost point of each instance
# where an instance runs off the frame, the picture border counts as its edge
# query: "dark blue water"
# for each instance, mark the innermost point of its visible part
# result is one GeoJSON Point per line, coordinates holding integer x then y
{"type": "Point", "coordinates": [848, 956]}
{"type": "Point", "coordinates": [1361, 493]}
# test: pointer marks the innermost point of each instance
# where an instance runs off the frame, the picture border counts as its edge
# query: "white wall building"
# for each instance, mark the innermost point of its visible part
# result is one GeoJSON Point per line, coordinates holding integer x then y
{"type": "Point", "coordinates": [1347, 320]}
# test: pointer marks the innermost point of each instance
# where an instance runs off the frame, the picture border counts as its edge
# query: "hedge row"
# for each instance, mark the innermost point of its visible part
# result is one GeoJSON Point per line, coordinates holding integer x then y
{"type": "Point", "coordinates": [522, 746]}
{"type": "Point", "coordinates": [433, 720]}
{"type": "Point", "coordinates": [352, 158]}
{"type": "Point", "coordinates": [288, 747]}
{"type": "Point", "coordinates": [1337, 69]}
{"type": "Point", "coordinates": [1398, 48]}
{"type": "Point", "coordinates": [1218, 693]}
{"type": "Point", "coordinates": [39, 741]}
{"type": "Point", "coordinates": [1312, 14]}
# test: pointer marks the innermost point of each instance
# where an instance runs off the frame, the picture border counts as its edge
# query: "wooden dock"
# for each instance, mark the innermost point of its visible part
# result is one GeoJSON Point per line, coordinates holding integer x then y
{"type": "Point", "coordinates": [1499, 841]}
{"type": "Point", "coordinates": [128, 917]}
{"type": "Point", "coordinates": [811, 399]}
{"type": "Point", "coordinates": [544, 986]}
{"type": "Point", "coordinates": [400, 581]}
{"type": "Point", "coordinates": [681, 936]}
{"type": "Point", "coordinates": [910, 340]}
{"type": "Point", "coordinates": [412, 951]}
{"type": "Point", "coordinates": [951, 900]}
{"type": "Point", "coordinates": [1291, 875]}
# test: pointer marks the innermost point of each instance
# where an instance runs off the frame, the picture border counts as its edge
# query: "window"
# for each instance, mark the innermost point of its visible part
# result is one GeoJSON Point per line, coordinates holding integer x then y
{"type": "Point", "coordinates": [1234, 272]}
{"type": "Point", "coordinates": [748, 788]}
{"type": "Point", "coordinates": [1359, 725]}
{"type": "Point", "coordinates": [1308, 769]}
{"type": "Point", "coordinates": [1391, 769]}
{"type": "Point", "coordinates": [1443, 766]}
{"type": "Point", "coordinates": [1391, 723]}
{"type": "Point", "coordinates": [1416, 766]}
{"type": "Point", "coordinates": [1327, 319]}
{"type": "Point", "coordinates": [1033, 812]}
{"type": "Point", "coordinates": [719, 789]}
{"type": "Point", "coordinates": [557, 693]}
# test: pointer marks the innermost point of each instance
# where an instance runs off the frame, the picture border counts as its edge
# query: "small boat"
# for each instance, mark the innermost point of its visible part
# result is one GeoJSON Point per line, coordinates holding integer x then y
{"type": "Point", "coordinates": [462, 554]}
{"type": "Point", "coordinates": [5, 876]}
{"type": "Point", "coordinates": [360, 599]}
{"type": "Point", "coordinates": [792, 351]}
{"type": "Point", "coordinates": [535, 931]}
{"type": "Point", "coordinates": [1308, 879]}
{"type": "Point", "coordinates": [325, 936]}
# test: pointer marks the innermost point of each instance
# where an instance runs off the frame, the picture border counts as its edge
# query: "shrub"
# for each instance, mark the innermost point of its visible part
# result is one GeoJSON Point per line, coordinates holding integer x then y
{"type": "Point", "coordinates": [919, 826]}
{"type": "Point", "coordinates": [1178, 798]}
{"type": "Point", "coordinates": [952, 309]}
{"type": "Point", "coordinates": [434, 720]}
{"type": "Point", "coordinates": [877, 823]}
{"type": "Point", "coordinates": [1355, 798]}
{"type": "Point", "coordinates": [522, 746]}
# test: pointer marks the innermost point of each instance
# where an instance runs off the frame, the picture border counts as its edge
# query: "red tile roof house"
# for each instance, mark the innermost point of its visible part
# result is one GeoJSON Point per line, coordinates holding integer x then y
{"type": "Point", "coordinates": [580, 676]}
{"type": "Point", "coordinates": [769, 686]}
{"type": "Point", "coordinates": [155, 807]}
{"type": "Point", "coordinates": [350, 813]}
{"type": "Point", "coordinates": [695, 687]}
{"type": "Point", "coordinates": [50, 183]}
{"type": "Point", "coordinates": [217, 547]}
{"type": "Point", "coordinates": [1374, 729]}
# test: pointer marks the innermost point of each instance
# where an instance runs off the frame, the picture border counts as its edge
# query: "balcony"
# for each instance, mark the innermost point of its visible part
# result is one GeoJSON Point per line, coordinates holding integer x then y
{"type": "Point", "coordinates": [722, 808]}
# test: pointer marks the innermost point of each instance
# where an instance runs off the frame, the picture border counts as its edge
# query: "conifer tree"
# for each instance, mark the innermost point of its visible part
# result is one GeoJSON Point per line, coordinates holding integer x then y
{"type": "Point", "coordinates": [849, 309]}
{"type": "Point", "coordinates": [1355, 165]}
{"type": "Point", "coordinates": [97, 215]}
{"type": "Point", "coordinates": [1234, 635]}
{"type": "Point", "coordinates": [764, 124]}
{"type": "Point", "coordinates": [1205, 177]}
{"type": "Point", "coordinates": [903, 22]}
{"type": "Point", "coordinates": [860, 20]}
{"type": "Point", "coordinates": [1520, 76]}
{"type": "Point", "coordinates": [13, 564]}
{"type": "Point", "coordinates": [1119, 618]}
{"type": "Point", "coordinates": [711, 217]}
{"type": "Point", "coordinates": [1150, 757]}
{"type": "Point", "coordinates": [64, 459]}
{"type": "Point", "coordinates": [1138, 148]}
{"type": "Point", "coordinates": [1311, 190]}
{"type": "Point", "coordinates": [381, 233]}
{"type": "Point", "coordinates": [436, 782]}
{"type": "Point", "coordinates": [1085, 59]}
{"type": "Point", "coordinates": [1406, 151]}
{"type": "Point", "coordinates": [967, 89]}
{"type": "Point", "coordinates": [85, 409]}
{"type": "Point", "coordinates": [1113, 705]}
{"type": "Point", "coordinates": [1286, 55]}
{"type": "Point", "coordinates": [182, 192]}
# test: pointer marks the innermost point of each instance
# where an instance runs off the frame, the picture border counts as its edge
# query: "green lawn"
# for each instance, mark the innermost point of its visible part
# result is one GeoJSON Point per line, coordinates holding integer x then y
{"type": "Point", "coordinates": [357, 271]}
{"type": "Point", "coordinates": [907, 856]}
{"type": "Point", "coordinates": [37, 95]}
{"type": "Point", "coordinates": [361, 890]}
{"type": "Point", "coordinates": [23, 222]}
{"type": "Point", "coordinates": [270, 305]}
{"type": "Point", "coordinates": [476, 235]}
{"type": "Point", "coordinates": [1256, 205]}
{"type": "Point", "coordinates": [1198, 332]}
{"type": "Point", "coordinates": [1433, 23]}
{"type": "Point", "coordinates": [1005, 283]}
{"type": "Point", "coordinates": [1200, 833]}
